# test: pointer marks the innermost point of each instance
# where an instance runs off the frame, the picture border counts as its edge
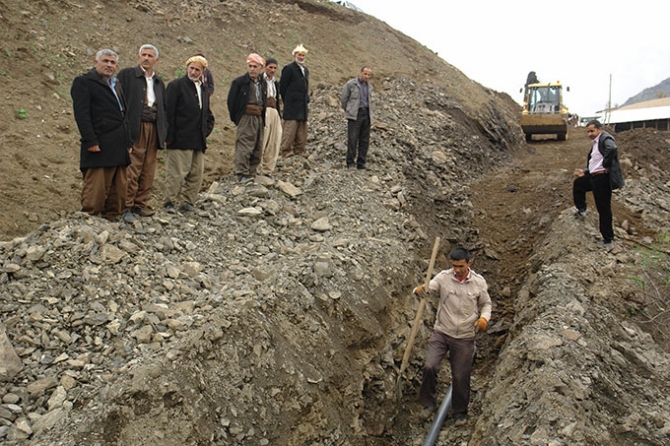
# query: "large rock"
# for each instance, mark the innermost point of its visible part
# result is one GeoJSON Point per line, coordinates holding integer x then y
{"type": "Point", "coordinates": [48, 421]}
{"type": "Point", "coordinates": [10, 363]}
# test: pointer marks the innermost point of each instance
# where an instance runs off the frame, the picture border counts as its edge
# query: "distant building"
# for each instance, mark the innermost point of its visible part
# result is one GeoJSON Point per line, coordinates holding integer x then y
{"type": "Point", "coordinates": [653, 114]}
{"type": "Point", "coordinates": [583, 120]}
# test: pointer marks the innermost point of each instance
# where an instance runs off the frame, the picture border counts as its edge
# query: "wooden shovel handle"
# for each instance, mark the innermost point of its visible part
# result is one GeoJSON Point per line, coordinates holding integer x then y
{"type": "Point", "coordinates": [419, 313]}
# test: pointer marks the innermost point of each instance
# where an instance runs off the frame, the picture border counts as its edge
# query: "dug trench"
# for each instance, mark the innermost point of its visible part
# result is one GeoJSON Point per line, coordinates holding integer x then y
{"type": "Point", "coordinates": [296, 336]}
{"type": "Point", "coordinates": [549, 369]}
{"type": "Point", "coordinates": [279, 312]}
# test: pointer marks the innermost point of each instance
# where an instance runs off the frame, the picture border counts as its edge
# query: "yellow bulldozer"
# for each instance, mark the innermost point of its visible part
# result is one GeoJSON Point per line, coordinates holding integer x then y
{"type": "Point", "coordinates": [543, 110]}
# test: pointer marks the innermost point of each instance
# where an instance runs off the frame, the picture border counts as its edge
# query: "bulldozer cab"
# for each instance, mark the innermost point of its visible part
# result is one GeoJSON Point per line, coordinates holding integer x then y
{"type": "Point", "coordinates": [544, 112]}
{"type": "Point", "coordinates": [544, 98]}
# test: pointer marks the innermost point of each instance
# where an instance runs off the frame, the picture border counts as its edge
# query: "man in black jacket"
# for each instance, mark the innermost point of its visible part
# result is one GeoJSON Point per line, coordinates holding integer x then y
{"type": "Point", "coordinates": [602, 175]}
{"type": "Point", "coordinates": [147, 121]}
{"type": "Point", "coordinates": [247, 100]}
{"type": "Point", "coordinates": [98, 103]}
{"type": "Point", "coordinates": [294, 89]}
{"type": "Point", "coordinates": [190, 121]}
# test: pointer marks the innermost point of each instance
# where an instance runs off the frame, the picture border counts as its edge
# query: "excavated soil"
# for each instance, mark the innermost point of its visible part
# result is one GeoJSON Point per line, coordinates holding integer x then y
{"type": "Point", "coordinates": [243, 324]}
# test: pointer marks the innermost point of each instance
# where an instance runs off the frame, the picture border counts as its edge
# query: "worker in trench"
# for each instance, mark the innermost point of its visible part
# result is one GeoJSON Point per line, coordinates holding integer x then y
{"type": "Point", "coordinates": [464, 309]}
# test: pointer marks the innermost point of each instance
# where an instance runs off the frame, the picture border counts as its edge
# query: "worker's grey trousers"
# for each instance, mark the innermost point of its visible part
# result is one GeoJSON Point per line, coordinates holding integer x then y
{"type": "Point", "coordinates": [460, 359]}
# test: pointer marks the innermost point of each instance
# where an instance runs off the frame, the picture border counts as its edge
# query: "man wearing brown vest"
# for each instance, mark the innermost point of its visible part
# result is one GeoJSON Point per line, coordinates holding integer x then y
{"type": "Point", "coordinates": [247, 101]}
{"type": "Point", "coordinates": [147, 121]}
{"type": "Point", "coordinates": [272, 132]}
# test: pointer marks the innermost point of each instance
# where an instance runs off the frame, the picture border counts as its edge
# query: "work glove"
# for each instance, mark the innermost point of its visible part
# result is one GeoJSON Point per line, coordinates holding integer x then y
{"type": "Point", "coordinates": [481, 324]}
{"type": "Point", "coordinates": [420, 291]}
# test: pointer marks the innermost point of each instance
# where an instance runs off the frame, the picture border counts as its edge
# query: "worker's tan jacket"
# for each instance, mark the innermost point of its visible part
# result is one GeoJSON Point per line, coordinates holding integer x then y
{"type": "Point", "coordinates": [461, 304]}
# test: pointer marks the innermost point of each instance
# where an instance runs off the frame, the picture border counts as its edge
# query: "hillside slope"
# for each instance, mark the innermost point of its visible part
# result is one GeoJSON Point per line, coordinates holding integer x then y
{"type": "Point", "coordinates": [660, 90]}
{"type": "Point", "coordinates": [46, 44]}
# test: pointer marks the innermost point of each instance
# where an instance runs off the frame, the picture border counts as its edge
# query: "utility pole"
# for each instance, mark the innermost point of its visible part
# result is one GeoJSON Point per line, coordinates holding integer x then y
{"type": "Point", "coordinates": [609, 103]}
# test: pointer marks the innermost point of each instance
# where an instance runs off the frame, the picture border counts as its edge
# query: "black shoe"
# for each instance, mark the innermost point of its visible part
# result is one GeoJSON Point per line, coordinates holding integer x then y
{"type": "Point", "coordinates": [128, 216]}
{"type": "Point", "coordinates": [361, 167]}
{"type": "Point", "coordinates": [170, 209]}
{"type": "Point", "coordinates": [186, 207]}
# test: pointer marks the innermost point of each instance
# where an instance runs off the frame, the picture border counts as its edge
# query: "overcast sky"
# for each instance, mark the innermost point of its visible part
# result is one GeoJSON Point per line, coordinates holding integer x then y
{"type": "Point", "coordinates": [497, 42]}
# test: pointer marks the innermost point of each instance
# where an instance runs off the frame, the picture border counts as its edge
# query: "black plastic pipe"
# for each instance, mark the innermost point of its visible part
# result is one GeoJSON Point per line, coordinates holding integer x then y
{"type": "Point", "coordinates": [435, 428]}
{"type": "Point", "coordinates": [439, 419]}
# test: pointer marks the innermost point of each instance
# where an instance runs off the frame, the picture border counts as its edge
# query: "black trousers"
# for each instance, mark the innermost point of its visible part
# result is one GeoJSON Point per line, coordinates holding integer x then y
{"type": "Point", "coordinates": [602, 194]}
{"type": "Point", "coordinates": [358, 138]}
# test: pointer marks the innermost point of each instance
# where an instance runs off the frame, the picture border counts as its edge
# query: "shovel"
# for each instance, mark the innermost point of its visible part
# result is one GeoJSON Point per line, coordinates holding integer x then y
{"type": "Point", "coordinates": [417, 319]}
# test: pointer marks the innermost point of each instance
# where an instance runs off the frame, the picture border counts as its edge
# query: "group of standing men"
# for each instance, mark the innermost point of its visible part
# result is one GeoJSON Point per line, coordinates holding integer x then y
{"type": "Point", "coordinates": [263, 134]}
{"type": "Point", "coordinates": [254, 107]}
{"type": "Point", "coordinates": [124, 120]}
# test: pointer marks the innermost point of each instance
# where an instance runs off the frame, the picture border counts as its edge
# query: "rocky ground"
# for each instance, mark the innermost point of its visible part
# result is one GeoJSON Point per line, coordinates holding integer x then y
{"type": "Point", "coordinates": [279, 311]}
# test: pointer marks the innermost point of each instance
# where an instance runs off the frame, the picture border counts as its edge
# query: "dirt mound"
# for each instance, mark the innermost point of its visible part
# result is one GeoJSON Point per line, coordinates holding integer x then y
{"type": "Point", "coordinates": [648, 148]}
{"type": "Point", "coordinates": [567, 310]}
{"type": "Point", "coordinates": [279, 311]}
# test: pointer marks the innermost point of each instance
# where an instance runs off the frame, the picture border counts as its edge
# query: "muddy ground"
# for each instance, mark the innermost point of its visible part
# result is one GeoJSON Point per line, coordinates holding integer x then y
{"type": "Point", "coordinates": [574, 326]}
{"type": "Point", "coordinates": [515, 210]}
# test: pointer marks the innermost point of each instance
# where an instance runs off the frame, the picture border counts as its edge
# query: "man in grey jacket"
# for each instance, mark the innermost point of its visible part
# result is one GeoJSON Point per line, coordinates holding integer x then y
{"type": "Point", "coordinates": [356, 102]}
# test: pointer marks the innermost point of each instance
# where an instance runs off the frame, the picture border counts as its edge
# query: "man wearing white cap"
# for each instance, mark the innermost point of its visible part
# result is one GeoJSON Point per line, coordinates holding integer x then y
{"type": "Point", "coordinates": [247, 100]}
{"type": "Point", "coordinates": [294, 89]}
{"type": "Point", "coordinates": [190, 121]}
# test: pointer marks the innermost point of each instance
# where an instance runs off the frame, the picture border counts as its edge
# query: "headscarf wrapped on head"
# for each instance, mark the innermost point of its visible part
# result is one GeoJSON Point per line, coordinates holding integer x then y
{"type": "Point", "coordinates": [300, 49]}
{"type": "Point", "coordinates": [255, 58]}
{"type": "Point", "coordinates": [197, 59]}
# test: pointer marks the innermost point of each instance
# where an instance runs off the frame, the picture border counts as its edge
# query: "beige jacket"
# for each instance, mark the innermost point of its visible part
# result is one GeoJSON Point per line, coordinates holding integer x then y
{"type": "Point", "coordinates": [461, 304]}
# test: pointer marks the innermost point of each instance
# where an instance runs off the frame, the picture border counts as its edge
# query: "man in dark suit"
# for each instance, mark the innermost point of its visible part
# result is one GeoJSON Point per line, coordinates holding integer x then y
{"type": "Point", "coordinates": [98, 104]}
{"type": "Point", "coordinates": [247, 101]}
{"type": "Point", "coordinates": [147, 121]}
{"type": "Point", "coordinates": [190, 121]}
{"type": "Point", "coordinates": [294, 89]}
{"type": "Point", "coordinates": [601, 176]}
